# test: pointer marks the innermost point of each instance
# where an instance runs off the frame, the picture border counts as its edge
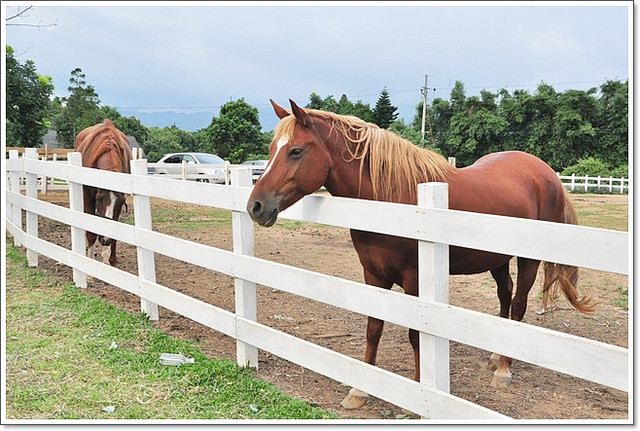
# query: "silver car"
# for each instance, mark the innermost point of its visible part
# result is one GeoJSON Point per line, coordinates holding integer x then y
{"type": "Point", "coordinates": [209, 166]}
{"type": "Point", "coordinates": [258, 167]}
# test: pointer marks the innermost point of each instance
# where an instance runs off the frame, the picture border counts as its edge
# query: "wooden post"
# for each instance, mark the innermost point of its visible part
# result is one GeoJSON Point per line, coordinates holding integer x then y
{"type": "Point", "coordinates": [16, 211]}
{"type": "Point", "coordinates": [245, 291]}
{"type": "Point", "coordinates": [32, 218]}
{"type": "Point", "coordinates": [610, 184]}
{"type": "Point", "coordinates": [586, 183]}
{"type": "Point", "coordinates": [622, 185]}
{"type": "Point", "coordinates": [573, 181]}
{"type": "Point", "coordinates": [433, 285]}
{"type": "Point", "coordinates": [146, 258]}
{"type": "Point", "coordinates": [78, 236]}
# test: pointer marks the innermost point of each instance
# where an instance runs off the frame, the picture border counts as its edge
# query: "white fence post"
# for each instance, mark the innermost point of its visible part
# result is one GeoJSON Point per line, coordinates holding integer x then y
{"type": "Point", "coordinates": [433, 285]}
{"type": "Point", "coordinates": [146, 258]}
{"type": "Point", "coordinates": [621, 185]}
{"type": "Point", "coordinates": [183, 171]}
{"type": "Point", "coordinates": [78, 236]}
{"type": "Point", "coordinates": [45, 179]}
{"type": "Point", "coordinates": [573, 181]}
{"type": "Point", "coordinates": [610, 184]}
{"type": "Point", "coordinates": [245, 291]}
{"type": "Point", "coordinates": [32, 218]}
{"type": "Point", "coordinates": [586, 183]}
{"type": "Point", "coordinates": [15, 212]}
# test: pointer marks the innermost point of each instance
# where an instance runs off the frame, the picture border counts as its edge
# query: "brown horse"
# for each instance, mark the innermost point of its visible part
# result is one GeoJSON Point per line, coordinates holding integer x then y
{"type": "Point", "coordinates": [355, 159]}
{"type": "Point", "coordinates": [103, 147]}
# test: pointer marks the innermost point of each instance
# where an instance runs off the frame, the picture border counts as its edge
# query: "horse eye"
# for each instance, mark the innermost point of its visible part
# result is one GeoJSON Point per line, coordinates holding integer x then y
{"type": "Point", "coordinates": [295, 152]}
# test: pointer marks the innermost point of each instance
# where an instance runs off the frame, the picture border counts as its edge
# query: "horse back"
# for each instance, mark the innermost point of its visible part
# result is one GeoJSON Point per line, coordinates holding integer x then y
{"type": "Point", "coordinates": [510, 183]}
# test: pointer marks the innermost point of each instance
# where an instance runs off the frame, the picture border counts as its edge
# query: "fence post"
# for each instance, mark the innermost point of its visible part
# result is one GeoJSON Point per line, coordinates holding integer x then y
{"type": "Point", "coordinates": [184, 169]}
{"type": "Point", "coordinates": [586, 183]}
{"type": "Point", "coordinates": [433, 285]}
{"type": "Point", "coordinates": [622, 185]}
{"type": "Point", "coordinates": [32, 218]}
{"type": "Point", "coordinates": [146, 258]}
{"type": "Point", "coordinates": [573, 181]}
{"type": "Point", "coordinates": [16, 211]}
{"type": "Point", "coordinates": [78, 236]}
{"type": "Point", "coordinates": [610, 184]}
{"type": "Point", "coordinates": [245, 291]}
{"type": "Point", "coordinates": [45, 180]}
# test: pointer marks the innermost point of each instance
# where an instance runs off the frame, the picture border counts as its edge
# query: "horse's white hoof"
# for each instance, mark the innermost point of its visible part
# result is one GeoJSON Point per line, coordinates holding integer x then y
{"type": "Point", "coordinates": [355, 399]}
{"type": "Point", "coordinates": [501, 380]}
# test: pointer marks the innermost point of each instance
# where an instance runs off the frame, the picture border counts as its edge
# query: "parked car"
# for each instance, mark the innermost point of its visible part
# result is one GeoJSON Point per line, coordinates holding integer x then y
{"type": "Point", "coordinates": [258, 169]}
{"type": "Point", "coordinates": [211, 167]}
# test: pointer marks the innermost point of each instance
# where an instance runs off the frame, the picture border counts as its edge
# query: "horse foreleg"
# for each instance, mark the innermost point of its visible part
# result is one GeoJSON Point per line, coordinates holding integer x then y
{"type": "Point", "coordinates": [357, 398]}
{"type": "Point", "coordinates": [113, 261]}
{"type": "Point", "coordinates": [527, 271]}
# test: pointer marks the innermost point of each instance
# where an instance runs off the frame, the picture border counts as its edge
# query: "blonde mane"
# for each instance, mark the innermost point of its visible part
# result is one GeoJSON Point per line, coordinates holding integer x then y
{"type": "Point", "coordinates": [100, 139]}
{"type": "Point", "coordinates": [396, 165]}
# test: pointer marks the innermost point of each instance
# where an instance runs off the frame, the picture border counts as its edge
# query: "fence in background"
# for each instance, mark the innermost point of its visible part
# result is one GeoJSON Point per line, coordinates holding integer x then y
{"type": "Point", "coordinates": [586, 183]}
{"type": "Point", "coordinates": [431, 223]}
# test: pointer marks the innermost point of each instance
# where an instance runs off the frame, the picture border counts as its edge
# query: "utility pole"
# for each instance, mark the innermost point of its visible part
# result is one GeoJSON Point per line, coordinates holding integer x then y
{"type": "Point", "coordinates": [424, 103]}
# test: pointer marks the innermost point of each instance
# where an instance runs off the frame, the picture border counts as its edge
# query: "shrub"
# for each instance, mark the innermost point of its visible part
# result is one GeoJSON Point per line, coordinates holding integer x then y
{"type": "Point", "coordinates": [590, 166]}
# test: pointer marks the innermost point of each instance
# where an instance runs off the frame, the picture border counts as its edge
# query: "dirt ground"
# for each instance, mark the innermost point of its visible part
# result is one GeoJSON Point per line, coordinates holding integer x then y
{"type": "Point", "coordinates": [536, 393]}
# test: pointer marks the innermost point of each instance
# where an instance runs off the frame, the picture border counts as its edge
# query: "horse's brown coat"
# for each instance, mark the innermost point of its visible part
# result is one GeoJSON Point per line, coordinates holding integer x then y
{"type": "Point", "coordinates": [355, 159]}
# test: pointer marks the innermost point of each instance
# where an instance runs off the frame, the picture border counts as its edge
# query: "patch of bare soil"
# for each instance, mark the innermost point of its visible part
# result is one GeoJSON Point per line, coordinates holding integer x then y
{"type": "Point", "coordinates": [536, 393]}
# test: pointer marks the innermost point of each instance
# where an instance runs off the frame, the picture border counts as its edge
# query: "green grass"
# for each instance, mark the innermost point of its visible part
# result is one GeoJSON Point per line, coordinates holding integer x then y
{"type": "Point", "coordinates": [623, 299]}
{"type": "Point", "coordinates": [60, 366]}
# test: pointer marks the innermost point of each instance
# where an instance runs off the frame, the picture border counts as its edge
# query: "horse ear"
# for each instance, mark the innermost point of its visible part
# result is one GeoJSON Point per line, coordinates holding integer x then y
{"type": "Point", "coordinates": [301, 115]}
{"type": "Point", "coordinates": [280, 111]}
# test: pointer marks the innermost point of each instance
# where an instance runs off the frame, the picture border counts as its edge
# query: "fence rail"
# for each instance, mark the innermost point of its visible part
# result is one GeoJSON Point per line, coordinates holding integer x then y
{"type": "Point", "coordinates": [428, 313]}
{"type": "Point", "coordinates": [586, 183]}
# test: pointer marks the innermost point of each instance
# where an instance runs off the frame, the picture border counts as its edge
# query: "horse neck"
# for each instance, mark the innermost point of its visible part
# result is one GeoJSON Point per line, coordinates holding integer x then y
{"type": "Point", "coordinates": [345, 178]}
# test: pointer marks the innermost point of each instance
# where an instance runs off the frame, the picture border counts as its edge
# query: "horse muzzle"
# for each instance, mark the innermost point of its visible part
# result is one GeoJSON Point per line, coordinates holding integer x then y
{"type": "Point", "coordinates": [263, 212]}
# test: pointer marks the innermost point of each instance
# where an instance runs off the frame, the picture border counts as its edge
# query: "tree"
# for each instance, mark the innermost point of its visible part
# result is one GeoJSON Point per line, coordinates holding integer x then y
{"type": "Point", "coordinates": [236, 134]}
{"type": "Point", "coordinates": [612, 123]}
{"type": "Point", "coordinates": [80, 110]}
{"type": "Point", "coordinates": [344, 106]}
{"type": "Point", "coordinates": [27, 102]}
{"type": "Point", "coordinates": [384, 113]}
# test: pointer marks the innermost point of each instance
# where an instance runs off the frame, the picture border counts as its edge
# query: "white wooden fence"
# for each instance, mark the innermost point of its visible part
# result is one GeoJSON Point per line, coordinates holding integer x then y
{"type": "Point", "coordinates": [430, 222]}
{"type": "Point", "coordinates": [586, 183]}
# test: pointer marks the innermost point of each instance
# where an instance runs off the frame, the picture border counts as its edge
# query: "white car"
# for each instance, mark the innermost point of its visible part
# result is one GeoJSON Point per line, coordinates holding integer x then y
{"type": "Point", "coordinates": [211, 167]}
{"type": "Point", "coordinates": [258, 167]}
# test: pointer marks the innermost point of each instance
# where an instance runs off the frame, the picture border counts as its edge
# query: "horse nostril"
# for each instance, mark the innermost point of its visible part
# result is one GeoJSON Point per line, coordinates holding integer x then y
{"type": "Point", "coordinates": [257, 208]}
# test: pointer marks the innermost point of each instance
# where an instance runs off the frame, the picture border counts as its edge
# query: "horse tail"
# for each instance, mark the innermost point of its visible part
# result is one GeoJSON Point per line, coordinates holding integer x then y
{"type": "Point", "coordinates": [564, 278]}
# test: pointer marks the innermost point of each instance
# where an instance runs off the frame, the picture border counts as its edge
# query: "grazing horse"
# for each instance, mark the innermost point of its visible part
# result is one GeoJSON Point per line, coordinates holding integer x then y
{"type": "Point", "coordinates": [103, 147]}
{"type": "Point", "coordinates": [355, 159]}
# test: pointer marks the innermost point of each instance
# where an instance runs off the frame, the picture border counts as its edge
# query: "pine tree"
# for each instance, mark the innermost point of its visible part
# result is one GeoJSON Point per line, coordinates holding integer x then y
{"type": "Point", "coordinates": [384, 112]}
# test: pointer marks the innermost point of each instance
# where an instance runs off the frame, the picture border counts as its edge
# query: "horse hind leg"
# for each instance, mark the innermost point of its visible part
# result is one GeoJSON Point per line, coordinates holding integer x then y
{"type": "Point", "coordinates": [356, 398]}
{"type": "Point", "coordinates": [527, 272]}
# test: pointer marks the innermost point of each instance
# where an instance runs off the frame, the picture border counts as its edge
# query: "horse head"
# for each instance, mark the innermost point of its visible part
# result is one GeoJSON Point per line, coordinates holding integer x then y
{"type": "Point", "coordinates": [299, 164]}
{"type": "Point", "coordinates": [108, 204]}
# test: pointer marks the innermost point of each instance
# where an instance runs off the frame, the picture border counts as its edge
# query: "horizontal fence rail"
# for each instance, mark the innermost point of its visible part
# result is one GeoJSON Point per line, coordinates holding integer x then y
{"type": "Point", "coordinates": [572, 355]}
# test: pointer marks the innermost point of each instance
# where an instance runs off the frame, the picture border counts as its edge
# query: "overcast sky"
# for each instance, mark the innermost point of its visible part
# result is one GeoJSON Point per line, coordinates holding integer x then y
{"type": "Point", "coordinates": [196, 58]}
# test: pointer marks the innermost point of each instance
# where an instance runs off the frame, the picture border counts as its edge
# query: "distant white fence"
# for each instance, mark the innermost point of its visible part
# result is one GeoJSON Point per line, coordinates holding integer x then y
{"type": "Point", "coordinates": [586, 183]}
{"type": "Point", "coordinates": [432, 225]}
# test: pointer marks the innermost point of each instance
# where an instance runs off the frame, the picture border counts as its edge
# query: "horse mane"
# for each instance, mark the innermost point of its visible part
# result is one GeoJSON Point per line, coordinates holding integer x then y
{"type": "Point", "coordinates": [396, 165]}
{"type": "Point", "coordinates": [104, 138]}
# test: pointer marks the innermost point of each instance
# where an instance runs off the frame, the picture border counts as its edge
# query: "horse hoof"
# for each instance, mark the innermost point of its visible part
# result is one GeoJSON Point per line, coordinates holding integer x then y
{"type": "Point", "coordinates": [355, 399]}
{"type": "Point", "coordinates": [501, 381]}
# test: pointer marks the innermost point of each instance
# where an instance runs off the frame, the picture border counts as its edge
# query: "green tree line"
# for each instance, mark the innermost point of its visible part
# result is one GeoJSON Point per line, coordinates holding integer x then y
{"type": "Point", "coordinates": [562, 128]}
